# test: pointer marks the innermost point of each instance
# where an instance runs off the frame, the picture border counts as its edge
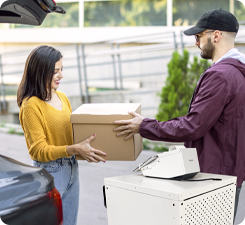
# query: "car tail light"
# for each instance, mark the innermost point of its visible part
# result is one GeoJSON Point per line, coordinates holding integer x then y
{"type": "Point", "coordinates": [55, 195]}
{"type": "Point", "coordinates": [54, 2]}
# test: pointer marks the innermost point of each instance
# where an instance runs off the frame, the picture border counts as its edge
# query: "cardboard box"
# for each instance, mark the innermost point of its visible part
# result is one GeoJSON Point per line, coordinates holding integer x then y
{"type": "Point", "coordinates": [99, 119]}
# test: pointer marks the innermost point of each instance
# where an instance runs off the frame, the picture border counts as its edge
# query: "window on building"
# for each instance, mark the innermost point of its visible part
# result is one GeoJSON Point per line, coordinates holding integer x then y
{"type": "Point", "coordinates": [187, 12]}
{"type": "Point", "coordinates": [125, 13]}
{"type": "Point", "coordinates": [239, 11]}
{"type": "Point", "coordinates": [70, 19]}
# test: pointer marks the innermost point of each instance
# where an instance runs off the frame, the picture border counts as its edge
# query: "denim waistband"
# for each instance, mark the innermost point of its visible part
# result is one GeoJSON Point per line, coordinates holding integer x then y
{"type": "Point", "coordinates": [64, 160]}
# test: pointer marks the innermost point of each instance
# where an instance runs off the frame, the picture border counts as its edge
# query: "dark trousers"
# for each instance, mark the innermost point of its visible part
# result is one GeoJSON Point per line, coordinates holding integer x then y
{"type": "Point", "coordinates": [238, 190]}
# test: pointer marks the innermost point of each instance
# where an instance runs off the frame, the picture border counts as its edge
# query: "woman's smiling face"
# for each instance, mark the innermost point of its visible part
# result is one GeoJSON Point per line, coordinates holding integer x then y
{"type": "Point", "coordinates": [58, 75]}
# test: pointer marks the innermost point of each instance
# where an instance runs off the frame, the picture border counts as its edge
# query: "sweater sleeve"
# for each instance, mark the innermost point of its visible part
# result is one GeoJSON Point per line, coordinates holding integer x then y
{"type": "Point", "coordinates": [205, 111]}
{"type": "Point", "coordinates": [34, 129]}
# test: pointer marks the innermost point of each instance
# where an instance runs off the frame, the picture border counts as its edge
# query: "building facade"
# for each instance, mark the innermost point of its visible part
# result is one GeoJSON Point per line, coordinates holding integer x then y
{"type": "Point", "coordinates": [89, 21]}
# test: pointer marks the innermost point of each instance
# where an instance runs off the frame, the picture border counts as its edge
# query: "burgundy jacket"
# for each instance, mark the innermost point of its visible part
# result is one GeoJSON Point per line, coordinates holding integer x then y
{"type": "Point", "coordinates": [215, 123]}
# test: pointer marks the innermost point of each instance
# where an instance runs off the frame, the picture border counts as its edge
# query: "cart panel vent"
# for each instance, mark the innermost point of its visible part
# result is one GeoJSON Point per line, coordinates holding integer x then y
{"type": "Point", "coordinates": [213, 208]}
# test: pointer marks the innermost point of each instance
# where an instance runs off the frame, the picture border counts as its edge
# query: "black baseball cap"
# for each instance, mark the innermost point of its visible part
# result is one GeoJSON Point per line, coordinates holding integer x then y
{"type": "Point", "coordinates": [215, 20]}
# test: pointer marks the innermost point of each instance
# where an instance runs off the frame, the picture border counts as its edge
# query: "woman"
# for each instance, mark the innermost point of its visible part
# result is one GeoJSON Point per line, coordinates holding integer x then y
{"type": "Point", "coordinates": [45, 119]}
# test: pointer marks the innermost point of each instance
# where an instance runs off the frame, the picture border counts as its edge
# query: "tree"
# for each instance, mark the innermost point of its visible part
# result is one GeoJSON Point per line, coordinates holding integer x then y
{"type": "Point", "coordinates": [180, 85]}
{"type": "Point", "coordinates": [196, 69]}
{"type": "Point", "coordinates": [181, 9]}
{"type": "Point", "coordinates": [125, 13]}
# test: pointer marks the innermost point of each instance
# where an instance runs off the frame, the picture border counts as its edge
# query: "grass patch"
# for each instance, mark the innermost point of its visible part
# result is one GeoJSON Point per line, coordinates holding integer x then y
{"type": "Point", "coordinates": [11, 130]}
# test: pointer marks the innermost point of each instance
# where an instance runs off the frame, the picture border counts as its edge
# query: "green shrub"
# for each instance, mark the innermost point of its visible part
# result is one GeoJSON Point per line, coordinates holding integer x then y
{"type": "Point", "coordinates": [180, 84]}
{"type": "Point", "coordinates": [146, 145]}
{"type": "Point", "coordinates": [160, 148]}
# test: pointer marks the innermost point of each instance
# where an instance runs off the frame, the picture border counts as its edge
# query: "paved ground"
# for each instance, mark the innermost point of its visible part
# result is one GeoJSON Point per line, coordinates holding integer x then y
{"type": "Point", "coordinates": [92, 211]}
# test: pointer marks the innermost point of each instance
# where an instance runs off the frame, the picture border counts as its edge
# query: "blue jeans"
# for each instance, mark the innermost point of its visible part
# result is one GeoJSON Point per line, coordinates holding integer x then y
{"type": "Point", "coordinates": [66, 180]}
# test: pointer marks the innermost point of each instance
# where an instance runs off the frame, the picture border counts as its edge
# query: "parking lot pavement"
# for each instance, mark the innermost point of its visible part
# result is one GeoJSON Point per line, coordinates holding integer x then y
{"type": "Point", "coordinates": [92, 210]}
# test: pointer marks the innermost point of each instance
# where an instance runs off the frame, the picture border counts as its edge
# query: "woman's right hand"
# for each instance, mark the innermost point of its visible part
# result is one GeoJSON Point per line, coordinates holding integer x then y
{"type": "Point", "coordinates": [85, 150]}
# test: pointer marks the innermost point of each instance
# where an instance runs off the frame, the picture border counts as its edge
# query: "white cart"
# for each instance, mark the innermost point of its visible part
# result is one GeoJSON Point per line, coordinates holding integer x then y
{"type": "Point", "coordinates": [139, 200]}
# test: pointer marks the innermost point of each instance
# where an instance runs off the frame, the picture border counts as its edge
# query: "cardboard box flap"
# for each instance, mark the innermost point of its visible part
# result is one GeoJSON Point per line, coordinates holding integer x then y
{"type": "Point", "coordinates": [104, 113]}
{"type": "Point", "coordinates": [107, 109]}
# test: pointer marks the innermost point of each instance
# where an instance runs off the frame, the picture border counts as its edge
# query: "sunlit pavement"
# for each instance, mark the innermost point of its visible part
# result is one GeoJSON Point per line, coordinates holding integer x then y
{"type": "Point", "coordinates": [92, 210]}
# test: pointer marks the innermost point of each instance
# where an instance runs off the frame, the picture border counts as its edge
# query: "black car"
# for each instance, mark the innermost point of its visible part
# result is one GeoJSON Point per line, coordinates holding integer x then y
{"type": "Point", "coordinates": [28, 195]}
{"type": "Point", "coordinates": [30, 12]}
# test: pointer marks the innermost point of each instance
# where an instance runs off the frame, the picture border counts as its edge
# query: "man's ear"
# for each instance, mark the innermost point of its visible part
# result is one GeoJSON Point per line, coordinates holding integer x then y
{"type": "Point", "coordinates": [217, 35]}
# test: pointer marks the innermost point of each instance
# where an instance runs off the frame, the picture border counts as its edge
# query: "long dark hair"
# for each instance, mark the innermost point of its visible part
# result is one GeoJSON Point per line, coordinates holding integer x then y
{"type": "Point", "coordinates": [38, 74]}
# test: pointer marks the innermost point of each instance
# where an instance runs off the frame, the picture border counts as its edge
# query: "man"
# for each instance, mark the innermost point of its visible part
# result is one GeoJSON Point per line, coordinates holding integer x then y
{"type": "Point", "coordinates": [215, 123]}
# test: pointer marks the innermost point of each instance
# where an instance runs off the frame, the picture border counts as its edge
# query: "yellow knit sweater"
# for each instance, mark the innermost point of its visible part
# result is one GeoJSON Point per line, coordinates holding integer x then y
{"type": "Point", "coordinates": [47, 130]}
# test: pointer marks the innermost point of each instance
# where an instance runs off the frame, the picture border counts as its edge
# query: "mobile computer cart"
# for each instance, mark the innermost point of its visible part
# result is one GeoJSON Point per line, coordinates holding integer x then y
{"type": "Point", "coordinates": [138, 200]}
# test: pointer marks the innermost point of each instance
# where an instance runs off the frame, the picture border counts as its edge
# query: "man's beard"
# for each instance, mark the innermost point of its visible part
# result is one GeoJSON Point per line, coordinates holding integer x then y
{"type": "Point", "coordinates": [207, 50]}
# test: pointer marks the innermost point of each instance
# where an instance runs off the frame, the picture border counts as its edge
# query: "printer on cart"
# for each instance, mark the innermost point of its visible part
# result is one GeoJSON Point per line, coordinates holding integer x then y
{"type": "Point", "coordinates": [178, 163]}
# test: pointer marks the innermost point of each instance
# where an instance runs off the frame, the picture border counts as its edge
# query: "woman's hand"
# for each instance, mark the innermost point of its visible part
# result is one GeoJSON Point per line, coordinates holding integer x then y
{"type": "Point", "coordinates": [85, 150]}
